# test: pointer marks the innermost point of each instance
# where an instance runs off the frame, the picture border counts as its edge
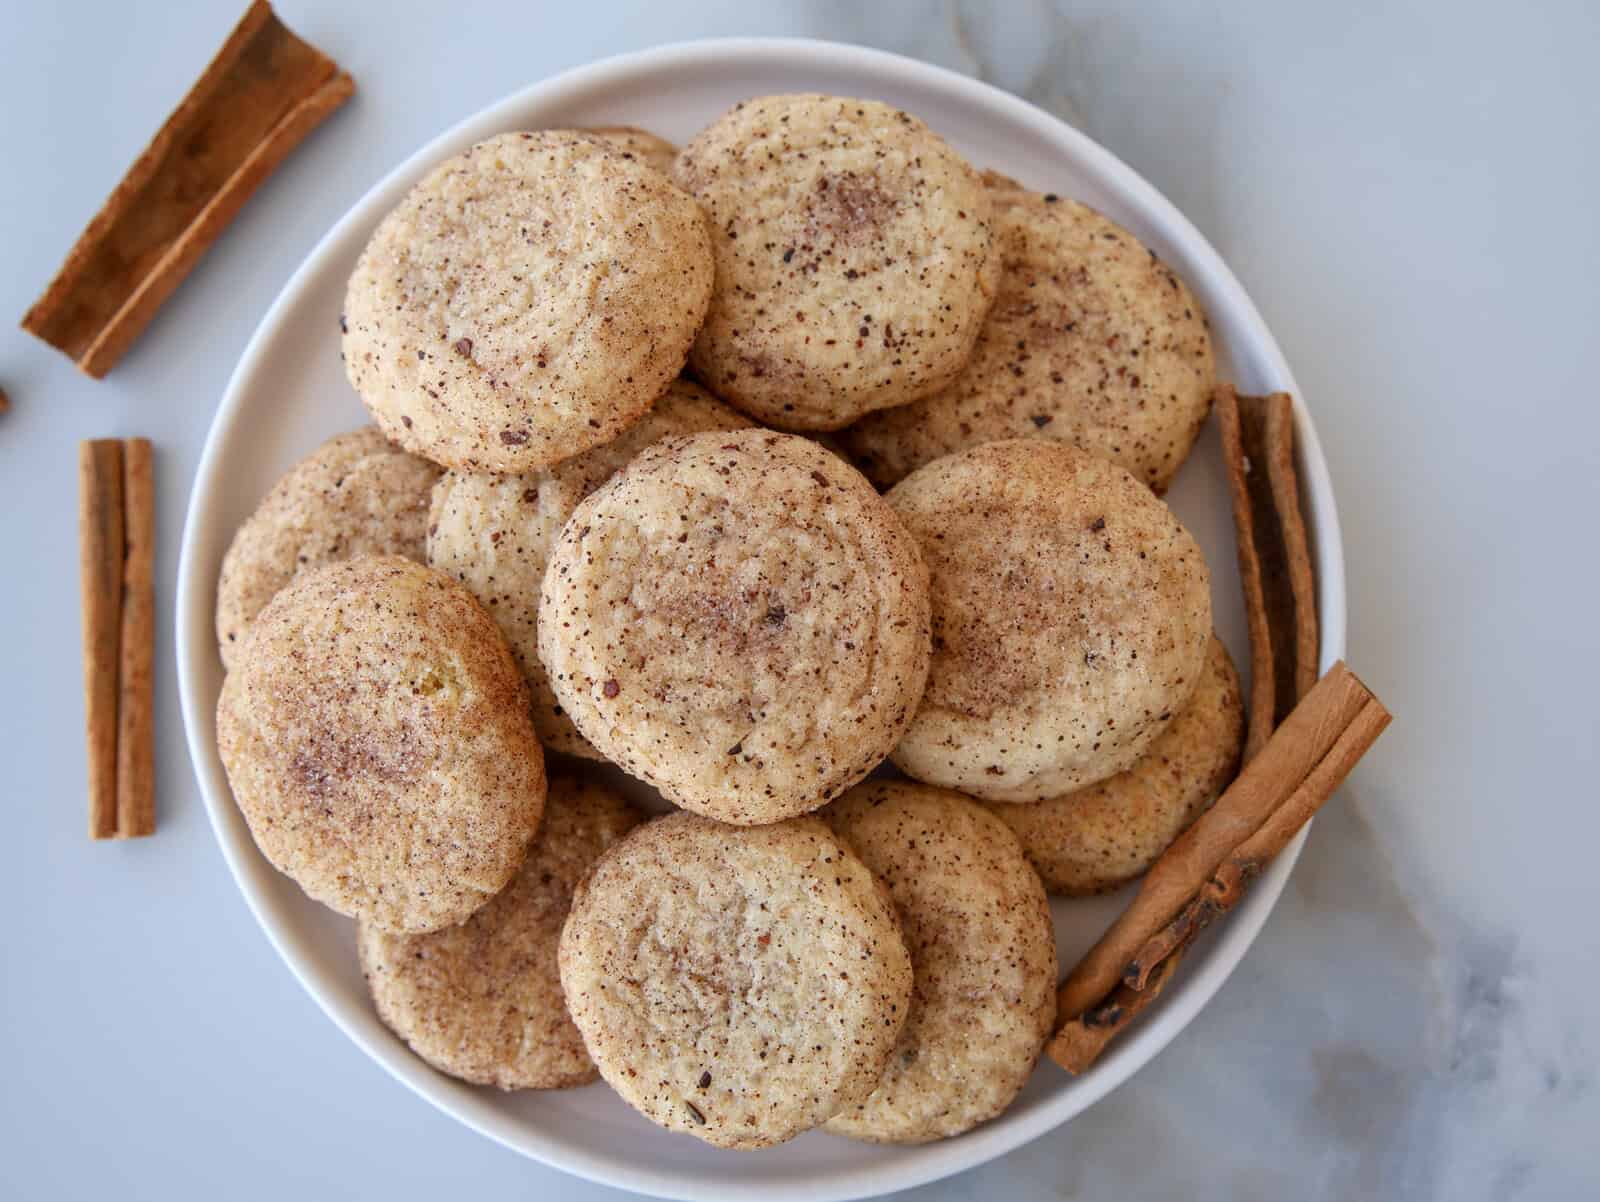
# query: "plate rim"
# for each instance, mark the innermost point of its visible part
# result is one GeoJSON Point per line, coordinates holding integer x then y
{"type": "Point", "coordinates": [194, 635]}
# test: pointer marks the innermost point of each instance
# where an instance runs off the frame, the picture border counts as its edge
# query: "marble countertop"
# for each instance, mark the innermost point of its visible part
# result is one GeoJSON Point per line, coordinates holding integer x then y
{"type": "Point", "coordinates": [1408, 192]}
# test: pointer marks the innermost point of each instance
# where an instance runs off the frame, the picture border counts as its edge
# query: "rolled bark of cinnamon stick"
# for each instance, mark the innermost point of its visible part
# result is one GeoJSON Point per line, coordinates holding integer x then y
{"type": "Point", "coordinates": [1274, 555]}
{"type": "Point", "coordinates": [1247, 861]}
{"type": "Point", "coordinates": [1304, 739]}
{"type": "Point", "coordinates": [136, 805]}
{"type": "Point", "coordinates": [257, 100]}
{"type": "Point", "coordinates": [100, 552]}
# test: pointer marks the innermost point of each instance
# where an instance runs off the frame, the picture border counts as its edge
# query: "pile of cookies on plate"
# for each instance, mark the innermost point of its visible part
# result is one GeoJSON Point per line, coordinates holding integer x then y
{"type": "Point", "coordinates": [634, 407]}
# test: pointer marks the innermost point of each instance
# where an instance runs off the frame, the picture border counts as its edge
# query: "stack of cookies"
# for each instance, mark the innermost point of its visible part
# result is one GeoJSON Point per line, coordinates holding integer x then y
{"type": "Point", "coordinates": [633, 408]}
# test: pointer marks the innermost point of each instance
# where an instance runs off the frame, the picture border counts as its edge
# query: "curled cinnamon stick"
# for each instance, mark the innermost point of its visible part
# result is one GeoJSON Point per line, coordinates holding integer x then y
{"type": "Point", "coordinates": [1302, 742]}
{"type": "Point", "coordinates": [1247, 861]}
{"type": "Point", "coordinates": [136, 803]}
{"type": "Point", "coordinates": [1274, 555]}
{"type": "Point", "coordinates": [257, 100]}
{"type": "Point", "coordinates": [100, 549]}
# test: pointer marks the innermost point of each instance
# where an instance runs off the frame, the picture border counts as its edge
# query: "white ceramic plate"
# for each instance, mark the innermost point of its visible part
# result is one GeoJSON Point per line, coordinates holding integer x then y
{"type": "Point", "coordinates": [289, 392]}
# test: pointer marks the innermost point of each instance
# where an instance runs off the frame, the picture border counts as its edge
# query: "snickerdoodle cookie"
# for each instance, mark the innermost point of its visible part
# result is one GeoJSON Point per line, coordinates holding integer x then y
{"type": "Point", "coordinates": [526, 301]}
{"type": "Point", "coordinates": [1071, 612]}
{"type": "Point", "coordinates": [1092, 340]}
{"type": "Point", "coordinates": [739, 984]}
{"type": "Point", "coordinates": [1105, 835]}
{"type": "Point", "coordinates": [740, 620]}
{"type": "Point", "coordinates": [356, 494]}
{"type": "Point", "coordinates": [854, 258]}
{"type": "Point", "coordinates": [482, 1000]}
{"type": "Point", "coordinates": [375, 732]}
{"type": "Point", "coordinates": [494, 533]}
{"type": "Point", "coordinates": [983, 960]}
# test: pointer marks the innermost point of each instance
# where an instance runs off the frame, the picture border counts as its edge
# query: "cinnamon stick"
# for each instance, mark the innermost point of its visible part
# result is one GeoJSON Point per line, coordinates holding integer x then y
{"type": "Point", "coordinates": [136, 804]}
{"type": "Point", "coordinates": [262, 94]}
{"type": "Point", "coordinates": [1235, 874]}
{"type": "Point", "coordinates": [100, 549]}
{"type": "Point", "coordinates": [1274, 555]}
{"type": "Point", "coordinates": [1302, 742]}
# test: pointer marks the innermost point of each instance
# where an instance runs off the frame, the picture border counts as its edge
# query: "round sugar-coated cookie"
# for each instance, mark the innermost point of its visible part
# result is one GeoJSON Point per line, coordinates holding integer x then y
{"type": "Point", "coordinates": [494, 533]}
{"type": "Point", "coordinates": [375, 733]}
{"type": "Point", "coordinates": [650, 149]}
{"type": "Point", "coordinates": [854, 258]}
{"type": "Point", "coordinates": [740, 620]}
{"type": "Point", "coordinates": [1071, 611]}
{"type": "Point", "coordinates": [1104, 836]}
{"type": "Point", "coordinates": [356, 494]}
{"type": "Point", "coordinates": [482, 1000]}
{"type": "Point", "coordinates": [983, 960]}
{"type": "Point", "coordinates": [738, 984]}
{"type": "Point", "coordinates": [1092, 340]}
{"type": "Point", "coordinates": [526, 301]}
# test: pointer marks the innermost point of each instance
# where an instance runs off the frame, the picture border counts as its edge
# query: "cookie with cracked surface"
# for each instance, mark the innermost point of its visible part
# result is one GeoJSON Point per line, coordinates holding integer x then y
{"type": "Point", "coordinates": [356, 494]}
{"type": "Point", "coordinates": [648, 148]}
{"type": "Point", "coordinates": [854, 258]}
{"type": "Point", "coordinates": [482, 1000]}
{"type": "Point", "coordinates": [494, 534]}
{"type": "Point", "coordinates": [1092, 341]}
{"type": "Point", "coordinates": [1101, 837]}
{"type": "Point", "coordinates": [983, 960]}
{"type": "Point", "coordinates": [740, 620]}
{"type": "Point", "coordinates": [737, 984]}
{"type": "Point", "coordinates": [527, 300]}
{"type": "Point", "coordinates": [1071, 612]}
{"type": "Point", "coordinates": [375, 733]}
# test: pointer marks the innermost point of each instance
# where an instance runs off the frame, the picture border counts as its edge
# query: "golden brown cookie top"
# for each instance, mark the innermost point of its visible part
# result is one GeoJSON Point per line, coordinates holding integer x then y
{"type": "Point", "coordinates": [1071, 611]}
{"type": "Point", "coordinates": [376, 736]}
{"type": "Point", "coordinates": [527, 300]}
{"type": "Point", "coordinates": [854, 260]}
{"type": "Point", "coordinates": [740, 620]}
{"type": "Point", "coordinates": [738, 984]}
{"type": "Point", "coordinates": [1103, 836]}
{"type": "Point", "coordinates": [1092, 341]}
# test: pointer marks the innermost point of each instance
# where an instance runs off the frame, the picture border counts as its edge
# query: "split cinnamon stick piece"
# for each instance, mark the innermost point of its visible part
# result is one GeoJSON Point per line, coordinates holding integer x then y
{"type": "Point", "coordinates": [1235, 874]}
{"type": "Point", "coordinates": [116, 549]}
{"type": "Point", "coordinates": [1098, 999]}
{"type": "Point", "coordinates": [1274, 555]}
{"type": "Point", "coordinates": [1266, 783]}
{"type": "Point", "coordinates": [262, 94]}
{"type": "Point", "coordinates": [100, 534]}
{"type": "Point", "coordinates": [136, 794]}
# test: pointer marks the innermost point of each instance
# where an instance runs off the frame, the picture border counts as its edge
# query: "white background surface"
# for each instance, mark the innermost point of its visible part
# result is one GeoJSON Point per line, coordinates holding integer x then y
{"type": "Point", "coordinates": [1408, 191]}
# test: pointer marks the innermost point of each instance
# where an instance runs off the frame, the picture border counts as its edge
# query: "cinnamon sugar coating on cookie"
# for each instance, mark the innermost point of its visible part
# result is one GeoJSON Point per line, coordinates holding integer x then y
{"type": "Point", "coordinates": [527, 300]}
{"type": "Point", "coordinates": [1092, 341]}
{"type": "Point", "coordinates": [1071, 612]}
{"type": "Point", "coordinates": [737, 984]}
{"type": "Point", "coordinates": [376, 737]}
{"type": "Point", "coordinates": [740, 620]}
{"type": "Point", "coordinates": [854, 258]}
